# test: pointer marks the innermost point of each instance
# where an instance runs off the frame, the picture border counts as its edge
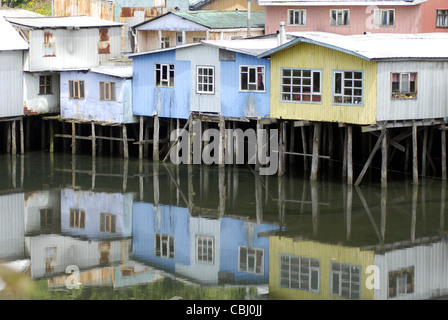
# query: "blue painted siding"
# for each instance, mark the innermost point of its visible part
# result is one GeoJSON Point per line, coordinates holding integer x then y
{"type": "Point", "coordinates": [236, 233]}
{"type": "Point", "coordinates": [169, 220]}
{"type": "Point", "coordinates": [236, 103]}
{"type": "Point", "coordinates": [169, 102]}
{"type": "Point", "coordinates": [91, 107]}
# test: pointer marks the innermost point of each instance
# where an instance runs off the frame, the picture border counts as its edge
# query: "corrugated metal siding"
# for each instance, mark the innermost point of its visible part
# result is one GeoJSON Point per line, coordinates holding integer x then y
{"type": "Point", "coordinates": [326, 253]}
{"type": "Point", "coordinates": [12, 226]}
{"type": "Point", "coordinates": [72, 49]}
{"type": "Point", "coordinates": [11, 83]}
{"type": "Point", "coordinates": [430, 264]}
{"type": "Point", "coordinates": [236, 103]}
{"type": "Point", "coordinates": [102, 9]}
{"type": "Point", "coordinates": [312, 56]}
{"type": "Point", "coordinates": [166, 102]}
{"type": "Point", "coordinates": [432, 85]}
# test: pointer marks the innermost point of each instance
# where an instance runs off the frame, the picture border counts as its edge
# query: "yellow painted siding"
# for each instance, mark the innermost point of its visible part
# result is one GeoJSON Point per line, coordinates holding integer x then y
{"type": "Point", "coordinates": [231, 5]}
{"type": "Point", "coordinates": [310, 56]}
{"type": "Point", "coordinates": [326, 253]}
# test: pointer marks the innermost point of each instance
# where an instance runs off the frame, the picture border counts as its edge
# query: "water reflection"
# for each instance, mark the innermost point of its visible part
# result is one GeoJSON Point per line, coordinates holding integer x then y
{"type": "Point", "coordinates": [126, 224]}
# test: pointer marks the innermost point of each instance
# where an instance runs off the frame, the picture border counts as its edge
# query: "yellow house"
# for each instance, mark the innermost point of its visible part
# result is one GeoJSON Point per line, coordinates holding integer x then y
{"type": "Point", "coordinates": [316, 81]}
{"type": "Point", "coordinates": [309, 270]}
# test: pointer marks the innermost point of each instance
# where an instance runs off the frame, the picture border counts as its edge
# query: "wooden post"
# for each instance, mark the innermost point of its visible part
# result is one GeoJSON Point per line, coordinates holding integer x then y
{"type": "Point", "coordinates": [28, 133]}
{"type": "Point", "coordinates": [22, 142]}
{"type": "Point", "coordinates": [315, 159]}
{"type": "Point", "coordinates": [424, 150]}
{"type": "Point", "coordinates": [314, 206]}
{"type": "Point", "coordinates": [125, 142]}
{"type": "Point", "coordinates": [155, 146]}
{"type": "Point", "coordinates": [292, 158]}
{"type": "Point", "coordinates": [349, 160]}
{"type": "Point", "coordinates": [73, 137]}
{"type": "Point", "coordinates": [384, 156]}
{"type": "Point", "coordinates": [305, 148]}
{"type": "Point", "coordinates": [51, 136]}
{"type": "Point", "coordinates": [281, 148]}
{"type": "Point", "coordinates": [443, 148]}
{"type": "Point", "coordinates": [93, 140]}
{"type": "Point", "coordinates": [259, 148]}
{"type": "Point", "coordinates": [222, 141]}
{"type": "Point", "coordinates": [372, 154]}
{"type": "Point", "coordinates": [140, 139]}
{"type": "Point", "coordinates": [42, 134]}
{"type": "Point", "coordinates": [414, 154]}
{"type": "Point", "coordinates": [13, 138]}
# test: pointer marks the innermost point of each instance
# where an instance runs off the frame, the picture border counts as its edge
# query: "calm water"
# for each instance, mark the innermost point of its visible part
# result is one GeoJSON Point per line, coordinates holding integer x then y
{"type": "Point", "coordinates": [107, 228]}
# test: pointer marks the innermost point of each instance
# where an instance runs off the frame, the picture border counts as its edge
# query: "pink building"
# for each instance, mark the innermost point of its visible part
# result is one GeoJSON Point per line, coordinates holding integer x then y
{"type": "Point", "coordinates": [357, 16]}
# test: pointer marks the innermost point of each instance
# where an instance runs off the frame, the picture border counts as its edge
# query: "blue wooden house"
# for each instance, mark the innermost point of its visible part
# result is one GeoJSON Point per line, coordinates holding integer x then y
{"type": "Point", "coordinates": [221, 77]}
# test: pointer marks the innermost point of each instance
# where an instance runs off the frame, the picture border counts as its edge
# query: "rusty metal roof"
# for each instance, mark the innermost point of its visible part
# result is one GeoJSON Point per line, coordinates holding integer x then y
{"type": "Point", "coordinates": [63, 22]}
{"type": "Point", "coordinates": [10, 38]}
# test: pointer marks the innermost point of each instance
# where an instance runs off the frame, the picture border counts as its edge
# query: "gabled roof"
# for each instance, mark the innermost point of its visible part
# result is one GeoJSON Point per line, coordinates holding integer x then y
{"type": "Point", "coordinates": [340, 2]}
{"type": "Point", "coordinates": [374, 46]}
{"type": "Point", "coordinates": [248, 46]}
{"type": "Point", "coordinates": [10, 38]}
{"type": "Point", "coordinates": [116, 71]}
{"type": "Point", "coordinates": [63, 22]}
{"type": "Point", "coordinates": [211, 19]}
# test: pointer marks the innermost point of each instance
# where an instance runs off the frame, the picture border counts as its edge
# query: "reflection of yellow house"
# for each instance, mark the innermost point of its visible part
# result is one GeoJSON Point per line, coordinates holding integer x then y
{"type": "Point", "coordinates": [307, 270]}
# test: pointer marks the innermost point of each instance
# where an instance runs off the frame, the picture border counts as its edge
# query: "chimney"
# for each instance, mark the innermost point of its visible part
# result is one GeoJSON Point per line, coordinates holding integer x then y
{"type": "Point", "coordinates": [281, 34]}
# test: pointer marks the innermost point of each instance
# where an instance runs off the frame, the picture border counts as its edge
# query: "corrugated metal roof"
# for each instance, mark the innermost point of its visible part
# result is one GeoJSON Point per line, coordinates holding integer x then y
{"type": "Point", "coordinates": [340, 2]}
{"type": "Point", "coordinates": [224, 19]}
{"type": "Point", "coordinates": [10, 38]}
{"type": "Point", "coordinates": [16, 12]}
{"type": "Point", "coordinates": [376, 46]}
{"type": "Point", "coordinates": [248, 46]}
{"type": "Point", "coordinates": [164, 49]}
{"type": "Point", "coordinates": [63, 22]}
{"type": "Point", "coordinates": [116, 71]}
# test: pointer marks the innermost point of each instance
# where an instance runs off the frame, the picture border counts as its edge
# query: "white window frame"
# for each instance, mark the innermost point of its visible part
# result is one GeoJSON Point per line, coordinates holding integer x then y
{"type": "Point", "coordinates": [378, 17]}
{"type": "Point", "coordinates": [200, 83]}
{"type": "Point", "coordinates": [255, 82]}
{"type": "Point", "coordinates": [441, 18]}
{"type": "Point", "coordinates": [161, 242]}
{"type": "Point", "coordinates": [296, 84]}
{"type": "Point", "coordinates": [297, 17]}
{"type": "Point", "coordinates": [205, 244]}
{"type": "Point", "coordinates": [161, 79]}
{"type": "Point", "coordinates": [297, 272]}
{"type": "Point", "coordinates": [403, 92]}
{"type": "Point", "coordinates": [339, 13]}
{"type": "Point", "coordinates": [344, 86]}
{"type": "Point", "coordinates": [348, 276]}
{"type": "Point", "coordinates": [244, 265]}
{"type": "Point", "coordinates": [165, 42]}
{"type": "Point", "coordinates": [401, 275]}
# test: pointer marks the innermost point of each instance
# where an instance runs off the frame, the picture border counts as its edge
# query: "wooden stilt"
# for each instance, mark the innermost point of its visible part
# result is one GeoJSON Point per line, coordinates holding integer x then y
{"type": "Point", "coordinates": [22, 142]}
{"type": "Point", "coordinates": [140, 138]}
{"type": "Point", "coordinates": [155, 150]}
{"type": "Point", "coordinates": [13, 138]}
{"type": "Point", "coordinates": [315, 159]}
{"type": "Point", "coordinates": [314, 206]}
{"type": "Point", "coordinates": [111, 142]}
{"type": "Point", "coordinates": [443, 155]}
{"type": "Point", "coordinates": [305, 148]}
{"type": "Point", "coordinates": [424, 150]}
{"type": "Point", "coordinates": [384, 156]}
{"type": "Point", "coordinates": [42, 134]}
{"type": "Point", "coordinates": [349, 142]}
{"type": "Point", "coordinates": [222, 141]}
{"type": "Point", "coordinates": [125, 142]}
{"type": "Point", "coordinates": [73, 138]}
{"type": "Point", "coordinates": [369, 160]}
{"type": "Point", "coordinates": [292, 158]}
{"type": "Point", "coordinates": [414, 154]}
{"type": "Point", "coordinates": [27, 133]}
{"type": "Point", "coordinates": [93, 139]}
{"type": "Point", "coordinates": [51, 123]}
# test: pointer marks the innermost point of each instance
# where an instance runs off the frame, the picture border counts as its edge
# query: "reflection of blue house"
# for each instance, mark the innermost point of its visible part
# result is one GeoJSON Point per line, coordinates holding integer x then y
{"type": "Point", "coordinates": [96, 215]}
{"type": "Point", "coordinates": [207, 250]}
{"type": "Point", "coordinates": [222, 77]}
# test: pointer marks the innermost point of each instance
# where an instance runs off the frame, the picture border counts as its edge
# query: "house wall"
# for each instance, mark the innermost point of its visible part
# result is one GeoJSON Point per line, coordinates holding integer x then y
{"type": "Point", "coordinates": [12, 226]}
{"type": "Point", "coordinates": [236, 103]}
{"type": "Point", "coordinates": [11, 83]}
{"type": "Point", "coordinates": [428, 14]}
{"type": "Point", "coordinates": [34, 202]}
{"type": "Point", "coordinates": [59, 49]}
{"type": "Point", "coordinates": [231, 5]}
{"type": "Point", "coordinates": [34, 103]}
{"type": "Point", "coordinates": [312, 56]}
{"type": "Point", "coordinates": [326, 253]}
{"type": "Point", "coordinates": [91, 107]}
{"type": "Point", "coordinates": [166, 102]}
{"type": "Point", "coordinates": [408, 19]}
{"type": "Point", "coordinates": [431, 84]}
{"type": "Point", "coordinates": [95, 203]}
{"type": "Point", "coordinates": [102, 9]}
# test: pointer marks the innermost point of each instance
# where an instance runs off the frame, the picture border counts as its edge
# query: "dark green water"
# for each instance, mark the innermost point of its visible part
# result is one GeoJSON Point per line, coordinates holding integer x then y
{"type": "Point", "coordinates": [135, 230]}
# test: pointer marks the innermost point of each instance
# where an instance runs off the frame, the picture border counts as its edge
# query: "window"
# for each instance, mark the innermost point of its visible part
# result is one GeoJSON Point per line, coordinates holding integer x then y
{"type": "Point", "coordinates": [404, 85]}
{"type": "Point", "coordinates": [45, 85]}
{"type": "Point", "coordinates": [345, 280]}
{"type": "Point", "coordinates": [347, 87]}
{"type": "Point", "coordinates": [107, 91]}
{"type": "Point", "coordinates": [401, 282]}
{"type": "Point", "coordinates": [299, 273]}
{"type": "Point", "coordinates": [108, 222]}
{"type": "Point", "coordinates": [205, 80]}
{"type": "Point", "coordinates": [76, 89]}
{"type": "Point", "coordinates": [164, 42]}
{"type": "Point", "coordinates": [442, 19]}
{"type": "Point", "coordinates": [50, 259]}
{"type": "Point", "coordinates": [205, 247]}
{"type": "Point", "coordinates": [301, 85]}
{"type": "Point", "coordinates": [384, 17]}
{"type": "Point", "coordinates": [164, 75]}
{"type": "Point", "coordinates": [164, 246]}
{"type": "Point", "coordinates": [46, 218]}
{"type": "Point", "coordinates": [196, 40]}
{"type": "Point", "coordinates": [252, 78]}
{"type": "Point", "coordinates": [251, 260]}
{"type": "Point", "coordinates": [297, 17]}
{"type": "Point", "coordinates": [77, 218]}
{"type": "Point", "coordinates": [339, 17]}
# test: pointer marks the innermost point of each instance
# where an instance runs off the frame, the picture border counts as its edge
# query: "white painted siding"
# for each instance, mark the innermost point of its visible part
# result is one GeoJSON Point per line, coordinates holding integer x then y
{"type": "Point", "coordinates": [12, 226]}
{"type": "Point", "coordinates": [11, 83]}
{"type": "Point", "coordinates": [432, 85]}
